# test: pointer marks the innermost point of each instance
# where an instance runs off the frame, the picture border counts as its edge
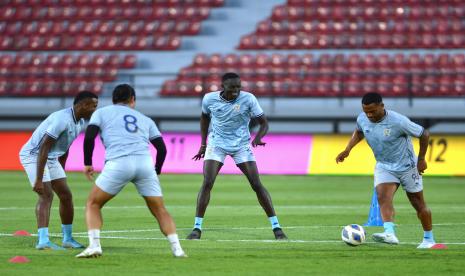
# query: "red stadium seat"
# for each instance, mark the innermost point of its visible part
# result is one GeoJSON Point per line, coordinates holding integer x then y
{"type": "Point", "coordinates": [458, 61]}
{"type": "Point", "coordinates": [273, 73]}
{"type": "Point", "coordinates": [459, 86]}
{"type": "Point", "coordinates": [69, 61]}
{"type": "Point", "coordinates": [129, 61]}
{"type": "Point", "coordinates": [231, 60]}
{"type": "Point", "coordinates": [112, 43]}
{"type": "Point", "coordinates": [120, 28]}
{"type": "Point", "coordinates": [359, 24]}
{"type": "Point", "coordinates": [416, 63]}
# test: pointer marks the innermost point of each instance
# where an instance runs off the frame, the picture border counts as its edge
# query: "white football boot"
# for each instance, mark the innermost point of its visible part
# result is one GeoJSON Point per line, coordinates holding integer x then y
{"type": "Point", "coordinates": [90, 253]}
{"type": "Point", "coordinates": [426, 244]}
{"type": "Point", "coordinates": [389, 238]}
{"type": "Point", "coordinates": [178, 252]}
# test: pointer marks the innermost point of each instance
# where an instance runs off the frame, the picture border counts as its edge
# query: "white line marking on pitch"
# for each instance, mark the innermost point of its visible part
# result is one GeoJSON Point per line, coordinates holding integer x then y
{"type": "Point", "coordinates": [310, 207]}
{"type": "Point", "coordinates": [258, 241]}
{"type": "Point", "coordinates": [234, 228]}
{"type": "Point", "coordinates": [256, 228]}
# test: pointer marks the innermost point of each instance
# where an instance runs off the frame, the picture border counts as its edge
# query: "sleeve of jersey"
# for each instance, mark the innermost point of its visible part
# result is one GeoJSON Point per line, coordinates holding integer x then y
{"type": "Point", "coordinates": [411, 128]}
{"type": "Point", "coordinates": [205, 109]}
{"type": "Point", "coordinates": [95, 119]}
{"type": "Point", "coordinates": [358, 127]}
{"type": "Point", "coordinates": [255, 108]}
{"type": "Point", "coordinates": [153, 131]}
{"type": "Point", "coordinates": [56, 128]}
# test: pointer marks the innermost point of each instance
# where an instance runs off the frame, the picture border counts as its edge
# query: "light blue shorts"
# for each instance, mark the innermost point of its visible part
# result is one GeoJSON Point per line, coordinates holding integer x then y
{"type": "Point", "coordinates": [52, 170]}
{"type": "Point", "coordinates": [410, 180]}
{"type": "Point", "coordinates": [138, 169]}
{"type": "Point", "coordinates": [242, 155]}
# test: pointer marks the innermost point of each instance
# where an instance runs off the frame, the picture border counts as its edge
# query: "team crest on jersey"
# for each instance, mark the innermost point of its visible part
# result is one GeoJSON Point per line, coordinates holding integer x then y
{"type": "Point", "coordinates": [237, 107]}
{"type": "Point", "coordinates": [387, 132]}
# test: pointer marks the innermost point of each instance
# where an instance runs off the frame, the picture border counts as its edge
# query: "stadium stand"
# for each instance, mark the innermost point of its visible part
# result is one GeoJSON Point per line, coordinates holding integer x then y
{"type": "Point", "coordinates": [302, 24]}
{"type": "Point", "coordinates": [100, 25]}
{"type": "Point", "coordinates": [308, 71]}
{"type": "Point", "coordinates": [65, 28]}
{"type": "Point", "coordinates": [342, 25]}
{"type": "Point", "coordinates": [326, 75]}
{"type": "Point", "coordinates": [57, 75]}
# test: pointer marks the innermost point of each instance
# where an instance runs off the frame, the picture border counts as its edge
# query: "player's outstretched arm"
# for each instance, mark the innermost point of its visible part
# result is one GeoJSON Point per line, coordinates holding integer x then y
{"type": "Point", "coordinates": [89, 144]}
{"type": "Point", "coordinates": [421, 164]}
{"type": "Point", "coordinates": [204, 124]}
{"type": "Point", "coordinates": [47, 144]}
{"type": "Point", "coordinates": [257, 141]}
{"type": "Point", "coordinates": [160, 146]}
{"type": "Point", "coordinates": [357, 136]}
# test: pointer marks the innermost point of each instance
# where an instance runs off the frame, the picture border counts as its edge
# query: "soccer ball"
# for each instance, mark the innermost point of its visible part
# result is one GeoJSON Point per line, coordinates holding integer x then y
{"type": "Point", "coordinates": [353, 234]}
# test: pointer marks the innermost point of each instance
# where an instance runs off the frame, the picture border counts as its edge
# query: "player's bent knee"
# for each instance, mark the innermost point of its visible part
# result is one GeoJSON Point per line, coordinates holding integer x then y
{"type": "Point", "coordinates": [93, 204]}
{"type": "Point", "coordinates": [65, 197]}
{"type": "Point", "coordinates": [424, 210]}
{"type": "Point", "coordinates": [384, 199]}
{"type": "Point", "coordinates": [154, 202]}
{"type": "Point", "coordinates": [159, 212]}
{"type": "Point", "coordinates": [46, 197]}
{"type": "Point", "coordinates": [45, 201]}
{"type": "Point", "coordinates": [207, 185]}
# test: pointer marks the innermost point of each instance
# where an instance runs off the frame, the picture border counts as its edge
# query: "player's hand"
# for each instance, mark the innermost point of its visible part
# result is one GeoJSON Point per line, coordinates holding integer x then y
{"type": "Point", "coordinates": [341, 156]}
{"type": "Point", "coordinates": [257, 142]}
{"type": "Point", "coordinates": [89, 172]}
{"type": "Point", "coordinates": [38, 187]}
{"type": "Point", "coordinates": [421, 166]}
{"type": "Point", "coordinates": [201, 153]}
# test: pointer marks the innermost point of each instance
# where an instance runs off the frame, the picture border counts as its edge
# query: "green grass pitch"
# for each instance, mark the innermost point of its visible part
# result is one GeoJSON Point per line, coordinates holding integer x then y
{"type": "Point", "coordinates": [237, 238]}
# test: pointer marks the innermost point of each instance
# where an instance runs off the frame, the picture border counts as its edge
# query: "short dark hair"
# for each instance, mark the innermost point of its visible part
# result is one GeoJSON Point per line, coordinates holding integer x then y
{"type": "Point", "coordinates": [372, 97]}
{"type": "Point", "coordinates": [84, 95]}
{"type": "Point", "coordinates": [229, 75]}
{"type": "Point", "coordinates": [123, 93]}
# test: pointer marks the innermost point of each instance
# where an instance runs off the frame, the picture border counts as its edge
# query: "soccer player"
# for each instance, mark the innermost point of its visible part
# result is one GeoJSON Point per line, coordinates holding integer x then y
{"type": "Point", "coordinates": [126, 134]}
{"type": "Point", "coordinates": [229, 112]}
{"type": "Point", "coordinates": [388, 134]}
{"type": "Point", "coordinates": [44, 157]}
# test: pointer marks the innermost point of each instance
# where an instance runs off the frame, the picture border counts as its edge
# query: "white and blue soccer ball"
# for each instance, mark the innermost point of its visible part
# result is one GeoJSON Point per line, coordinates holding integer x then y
{"type": "Point", "coordinates": [353, 234]}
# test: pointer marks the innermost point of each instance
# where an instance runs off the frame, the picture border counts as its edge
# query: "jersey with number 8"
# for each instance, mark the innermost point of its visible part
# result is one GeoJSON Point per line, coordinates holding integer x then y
{"type": "Point", "coordinates": [124, 131]}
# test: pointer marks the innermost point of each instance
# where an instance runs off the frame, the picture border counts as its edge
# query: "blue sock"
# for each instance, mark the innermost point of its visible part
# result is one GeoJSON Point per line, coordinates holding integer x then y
{"type": "Point", "coordinates": [274, 222]}
{"type": "Point", "coordinates": [389, 227]}
{"type": "Point", "coordinates": [43, 235]}
{"type": "Point", "coordinates": [428, 236]}
{"type": "Point", "coordinates": [67, 230]}
{"type": "Point", "coordinates": [198, 223]}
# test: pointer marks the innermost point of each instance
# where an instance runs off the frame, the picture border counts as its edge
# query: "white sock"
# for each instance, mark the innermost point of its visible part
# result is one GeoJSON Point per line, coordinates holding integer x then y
{"type": "Point", "coordinates": [94, 238]}
{"type": "Point", "coordinates": [174, 241]}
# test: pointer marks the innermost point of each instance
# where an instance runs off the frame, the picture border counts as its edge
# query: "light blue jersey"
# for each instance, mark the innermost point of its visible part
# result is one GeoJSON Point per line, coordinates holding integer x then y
{"type": "Point", "coordinates": [230, 119]}
{"type": "Point", "coordinates": [124, 131]}
{"type": "Point", "coordinates": [390, 140]}
{"type": "Point", "coordinates": [60, 125]}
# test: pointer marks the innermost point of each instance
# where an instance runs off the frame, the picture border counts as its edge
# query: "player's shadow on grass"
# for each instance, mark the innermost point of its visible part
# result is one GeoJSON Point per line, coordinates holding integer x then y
{"type": "Point", "coordinates": [236, 234]}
